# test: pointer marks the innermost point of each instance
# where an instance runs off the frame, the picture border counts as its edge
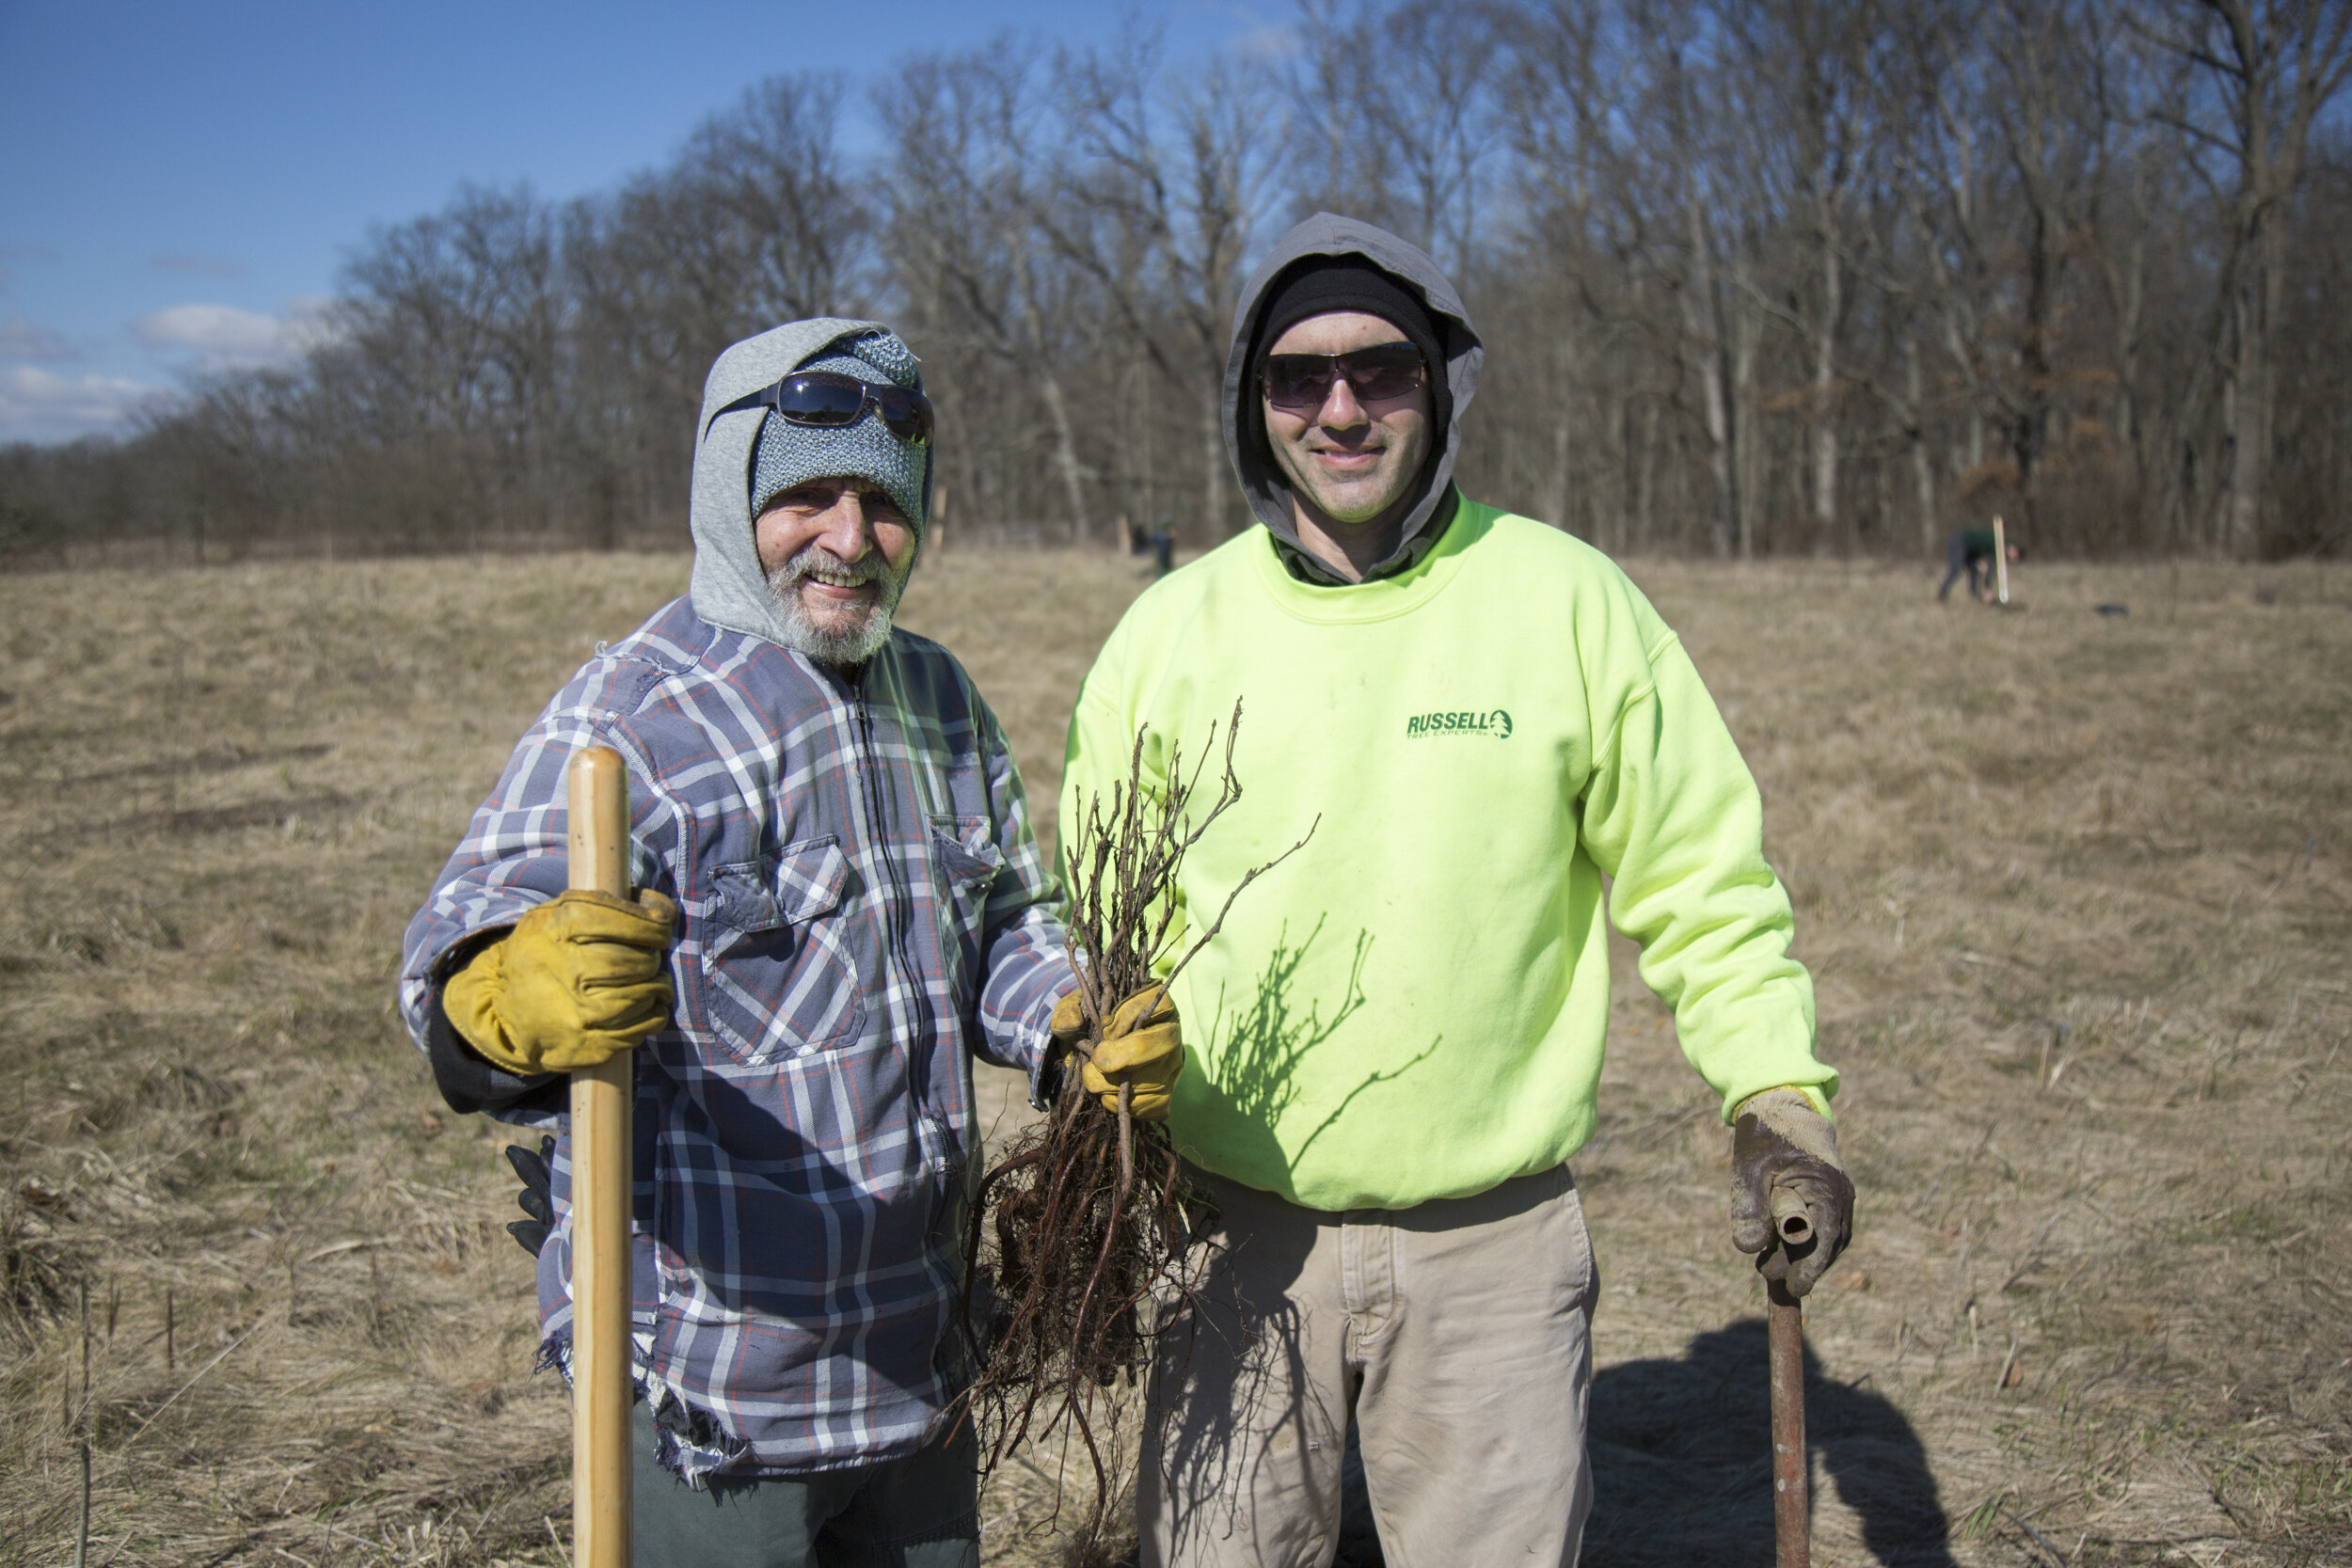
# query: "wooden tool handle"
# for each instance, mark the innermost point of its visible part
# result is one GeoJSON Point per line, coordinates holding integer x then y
{"type": "Point", "coordinates": [601, 1095]}
{"type": "Point", "coordinates": [1792, 1508]}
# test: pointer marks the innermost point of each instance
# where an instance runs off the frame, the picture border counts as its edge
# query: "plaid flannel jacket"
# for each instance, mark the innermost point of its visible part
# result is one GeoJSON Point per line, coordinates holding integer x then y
{"type": "Point", "coordinates": [863, 905]}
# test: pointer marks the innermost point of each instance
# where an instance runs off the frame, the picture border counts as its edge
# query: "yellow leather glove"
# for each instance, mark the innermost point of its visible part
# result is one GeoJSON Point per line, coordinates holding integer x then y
{"type": "Point", "coordinates": [576, 980]}
{"type": "Point", "coordinates": [1143, 1049]}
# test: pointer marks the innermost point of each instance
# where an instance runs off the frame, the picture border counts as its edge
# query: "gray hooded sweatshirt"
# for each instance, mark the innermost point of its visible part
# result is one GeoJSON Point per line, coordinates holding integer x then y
{"type": "Point", "coordinates": [729, 589]}
{"type": "Point", "coordinates": [1261, 479]}
{"type": "Point", "coordinates": [863, 908]}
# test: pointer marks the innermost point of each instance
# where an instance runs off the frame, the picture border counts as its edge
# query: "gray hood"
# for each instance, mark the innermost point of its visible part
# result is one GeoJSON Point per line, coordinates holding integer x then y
{"type": "Point", "coordinates": [1262, 480]}
{"type": "Point", "coordinates": [728, 588]}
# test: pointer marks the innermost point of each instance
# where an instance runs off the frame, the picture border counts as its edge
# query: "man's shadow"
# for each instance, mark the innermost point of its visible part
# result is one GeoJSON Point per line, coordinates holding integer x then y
{"type": "Point", "coordinates": [1681, 1456]}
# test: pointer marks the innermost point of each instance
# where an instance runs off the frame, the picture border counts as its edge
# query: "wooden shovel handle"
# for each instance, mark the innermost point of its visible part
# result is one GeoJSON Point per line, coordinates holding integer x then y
{"type": "Point", "coordinates": [601, 1095]}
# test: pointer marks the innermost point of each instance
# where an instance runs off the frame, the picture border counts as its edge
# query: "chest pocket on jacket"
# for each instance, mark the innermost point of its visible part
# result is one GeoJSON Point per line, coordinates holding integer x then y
{"type": "Point", "coordinates": [780, 970]}
{"type": "Point", "coordinates": [968, 861]}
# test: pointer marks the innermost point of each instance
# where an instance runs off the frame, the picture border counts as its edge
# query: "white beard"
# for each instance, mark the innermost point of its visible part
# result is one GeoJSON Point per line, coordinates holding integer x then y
{"type": "Point", "coordinates": [838, 644]}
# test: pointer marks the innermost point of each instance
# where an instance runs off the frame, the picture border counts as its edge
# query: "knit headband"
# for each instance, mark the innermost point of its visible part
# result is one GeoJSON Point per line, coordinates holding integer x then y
{"type": "Point", "coordinates": [1319, 285]}
{"type": "Point", "coordinates": [789, 455]}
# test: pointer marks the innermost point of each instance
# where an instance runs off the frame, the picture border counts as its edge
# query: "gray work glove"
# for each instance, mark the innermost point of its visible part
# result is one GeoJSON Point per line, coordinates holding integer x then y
{"type": "Point", "coordinates": [1781, 1145]}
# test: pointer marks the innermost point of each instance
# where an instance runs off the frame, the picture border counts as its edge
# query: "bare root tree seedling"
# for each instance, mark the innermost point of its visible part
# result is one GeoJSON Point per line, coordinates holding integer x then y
{"type": "Point", "coordinates": [1088, 1216]}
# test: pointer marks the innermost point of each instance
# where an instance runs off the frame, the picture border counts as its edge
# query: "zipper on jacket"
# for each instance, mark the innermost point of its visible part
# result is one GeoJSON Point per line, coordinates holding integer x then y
{"type": "Point", "coordinates": [933, 1138]}
{"type": "Point", "coordinates": [895, 929]}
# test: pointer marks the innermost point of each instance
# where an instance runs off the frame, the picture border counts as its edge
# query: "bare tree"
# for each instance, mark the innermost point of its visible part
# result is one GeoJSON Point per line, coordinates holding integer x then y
{"type": "Point", "coordinates": [456, 317]}
{"type": "Point", "coordinates": [1805, 67]}
{"type": "Point", "coordinates": [2270, 66]}
{"type": "Point", "coordinates": [1400, 99]}
{"type": "Point", "coordinates": [1164, 188]}
{"type": "Point", "coordinates": [968, 177]}
{"type": "Point", "coordinates": [1826, 275]}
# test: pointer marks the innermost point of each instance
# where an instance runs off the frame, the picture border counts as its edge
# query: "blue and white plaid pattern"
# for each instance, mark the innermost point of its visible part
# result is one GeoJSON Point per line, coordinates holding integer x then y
{"type": "Point", "coordinates": [863, 907]}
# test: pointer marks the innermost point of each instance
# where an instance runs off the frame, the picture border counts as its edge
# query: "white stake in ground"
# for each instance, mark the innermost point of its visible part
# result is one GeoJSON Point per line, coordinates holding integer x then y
{"type": "Point", "coordinates": [597, 845]}
{"type": "Point", "coordinates": [2000, 557]}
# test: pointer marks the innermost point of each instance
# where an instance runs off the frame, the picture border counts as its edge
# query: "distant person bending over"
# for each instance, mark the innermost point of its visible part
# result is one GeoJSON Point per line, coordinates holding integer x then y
{"type": "Point", "coordinates": [1479, 720]}
{"type": "Point", "coordinates": [1971, 550]}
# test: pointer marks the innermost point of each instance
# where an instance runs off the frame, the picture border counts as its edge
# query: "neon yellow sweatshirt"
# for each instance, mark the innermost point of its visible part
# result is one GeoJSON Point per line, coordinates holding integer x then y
{"type": "Point", "coordinates": [1413, 1005]}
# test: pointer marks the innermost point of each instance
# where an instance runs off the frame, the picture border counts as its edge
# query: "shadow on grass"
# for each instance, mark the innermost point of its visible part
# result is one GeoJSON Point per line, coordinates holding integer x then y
{"type": "Point", "coordinates": [1682, 1461]}
{"type": "Point", "coordinates": [1682, 1454]}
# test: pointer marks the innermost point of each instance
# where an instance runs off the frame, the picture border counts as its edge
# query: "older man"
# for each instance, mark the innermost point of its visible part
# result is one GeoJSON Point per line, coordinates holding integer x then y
{"type": "Point", "coordinates": [842, 903]}
{"type": "Point", "coordinates": [1396, 1037]}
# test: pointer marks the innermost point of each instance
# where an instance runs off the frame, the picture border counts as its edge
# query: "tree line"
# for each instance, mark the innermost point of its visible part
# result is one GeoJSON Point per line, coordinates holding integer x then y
{"type": "Point", "coordinates": [1755, 276]}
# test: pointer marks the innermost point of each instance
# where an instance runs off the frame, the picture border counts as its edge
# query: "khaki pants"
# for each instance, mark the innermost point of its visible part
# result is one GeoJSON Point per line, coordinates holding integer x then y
{"type": "Point", "coordinates": [1458, 1335]}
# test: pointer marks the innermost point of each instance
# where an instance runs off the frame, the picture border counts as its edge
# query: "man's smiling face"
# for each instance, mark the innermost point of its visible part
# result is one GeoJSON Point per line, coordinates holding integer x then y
{"type": "Point", "coordinates": [1351, 461]}
{"type": "Point", "coordinates": [837, 551]}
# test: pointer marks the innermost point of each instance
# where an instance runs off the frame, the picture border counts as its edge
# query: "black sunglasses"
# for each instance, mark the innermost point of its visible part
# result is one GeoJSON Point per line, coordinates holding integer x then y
{"type": "Point", "coordinates": [1301, 382]}
{"type": "Point", "coordinates": [827, 400]}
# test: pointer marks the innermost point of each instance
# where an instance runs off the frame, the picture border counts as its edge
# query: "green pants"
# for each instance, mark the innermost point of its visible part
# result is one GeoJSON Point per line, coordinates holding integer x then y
{"type": "Point", "coordinates": [920, 1512]}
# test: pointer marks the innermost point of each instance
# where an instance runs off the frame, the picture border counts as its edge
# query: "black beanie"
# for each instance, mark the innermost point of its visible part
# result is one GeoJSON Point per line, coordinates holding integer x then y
{"type": "Point", "coordinates": [1318, 285]}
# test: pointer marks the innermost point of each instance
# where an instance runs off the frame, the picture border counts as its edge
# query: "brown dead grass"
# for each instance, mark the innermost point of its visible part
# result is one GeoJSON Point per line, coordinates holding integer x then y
{"type": "Point", "coordinates": [2077, 891]}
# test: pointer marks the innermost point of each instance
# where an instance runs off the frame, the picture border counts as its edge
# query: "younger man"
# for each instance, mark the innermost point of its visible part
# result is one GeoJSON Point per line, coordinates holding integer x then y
{"type": "Point", "coordinates": [1396, 1037]}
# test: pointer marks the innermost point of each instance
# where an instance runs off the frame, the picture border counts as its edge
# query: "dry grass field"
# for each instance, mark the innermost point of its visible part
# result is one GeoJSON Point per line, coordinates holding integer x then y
{"type": "Point", "coordinates": [2076, 891]}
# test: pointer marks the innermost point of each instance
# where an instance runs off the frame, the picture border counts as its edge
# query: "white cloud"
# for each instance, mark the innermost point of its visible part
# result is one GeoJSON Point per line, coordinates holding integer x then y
{"type": "Point", "coordinates": [41, 405]}
{"type": "Point", "coordinates": [1271, 42]}
{"type": "Point", "coordinates": [311, 319]}
{"type": "Point", "coordinates": [225, 337]}
{"type": "Point", "coordinates": [198, 339]}
{"type": "Point", "coordinates": [221, 329]}
{"type": "Point", "coordinates": [21, 340]}
{"type": "Point", "coordinates": [1263, 33]}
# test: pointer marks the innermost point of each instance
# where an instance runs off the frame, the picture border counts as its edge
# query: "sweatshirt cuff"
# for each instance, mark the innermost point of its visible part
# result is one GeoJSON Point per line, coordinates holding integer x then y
{"type": "Point", "coordinates": [470, 1082]}
{"type": "Point", "coordinates": [1812, 1093]}
{"type": "Point", "coordinates": [1040, 1060]}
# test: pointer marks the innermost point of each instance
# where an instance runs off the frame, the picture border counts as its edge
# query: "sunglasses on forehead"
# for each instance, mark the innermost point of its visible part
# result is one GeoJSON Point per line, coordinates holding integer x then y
{"type": "Point", "coordinates": [1301, 382]}
{"type": "Point", "coordinates": [827, 400]}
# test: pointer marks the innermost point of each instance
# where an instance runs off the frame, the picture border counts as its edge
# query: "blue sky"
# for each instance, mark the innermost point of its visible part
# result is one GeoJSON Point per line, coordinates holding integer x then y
{"type": "Point", "coordinates": [179, 183]}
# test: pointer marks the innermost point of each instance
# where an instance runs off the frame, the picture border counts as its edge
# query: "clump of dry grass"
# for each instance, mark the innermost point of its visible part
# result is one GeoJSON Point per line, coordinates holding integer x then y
{"type": "Point", "coordinates": [2077, 891]}
{"type": "Point", "coordinates": [223, 793]}
{"type": "Point", "coordinates": [2074, 891]}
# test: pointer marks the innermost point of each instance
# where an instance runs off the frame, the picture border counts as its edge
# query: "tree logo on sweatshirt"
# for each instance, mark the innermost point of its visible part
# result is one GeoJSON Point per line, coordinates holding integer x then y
{"type": "Point", "coordinates": [1494, 724]}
